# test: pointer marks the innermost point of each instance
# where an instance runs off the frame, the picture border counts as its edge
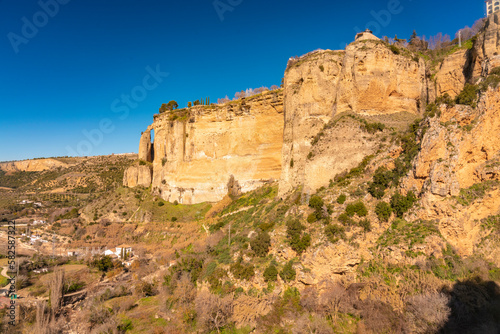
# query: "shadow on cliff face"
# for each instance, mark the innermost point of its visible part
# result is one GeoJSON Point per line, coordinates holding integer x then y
{"type": "Point", "coordinates": [474, 306]}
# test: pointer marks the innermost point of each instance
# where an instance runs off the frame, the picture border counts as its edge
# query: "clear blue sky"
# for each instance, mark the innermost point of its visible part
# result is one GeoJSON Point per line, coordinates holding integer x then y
{"type": "Point", "coordinates": [68, 69]}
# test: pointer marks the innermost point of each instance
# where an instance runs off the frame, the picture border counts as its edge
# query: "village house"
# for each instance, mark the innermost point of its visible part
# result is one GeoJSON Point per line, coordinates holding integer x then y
{"type": "Point", "coordinates": [122, 251]}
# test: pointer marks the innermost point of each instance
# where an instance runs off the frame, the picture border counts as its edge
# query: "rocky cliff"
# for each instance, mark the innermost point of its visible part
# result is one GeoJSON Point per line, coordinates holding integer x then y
{"type": "Point", "coordinates": [368, 79]}
{"type": "Point", "coordinates": [460, 156]}
{"type": "Point", "coordinates": [200, 153]}
{"type": "Point", "coordinates": [36, 165]}
{"type": "Point", "coordinates": [329, 98]}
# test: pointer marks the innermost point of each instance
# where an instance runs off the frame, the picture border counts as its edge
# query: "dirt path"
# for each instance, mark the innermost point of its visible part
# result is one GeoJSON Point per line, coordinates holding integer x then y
{"type": "Point", "coordinates": [246, 208]}
{"type": "Point", "coordinates": [5, 289]}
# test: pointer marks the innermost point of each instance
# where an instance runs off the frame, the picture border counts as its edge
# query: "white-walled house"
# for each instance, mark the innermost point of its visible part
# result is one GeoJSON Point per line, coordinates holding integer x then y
{"type": "Point", "coordinates": [119, 251]}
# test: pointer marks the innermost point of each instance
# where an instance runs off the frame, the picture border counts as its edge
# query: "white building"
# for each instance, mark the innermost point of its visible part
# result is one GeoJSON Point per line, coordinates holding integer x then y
{"type": "Point", "coordinates": [119, 251]}
{"type": "Point", "coordinates": [492, 6]}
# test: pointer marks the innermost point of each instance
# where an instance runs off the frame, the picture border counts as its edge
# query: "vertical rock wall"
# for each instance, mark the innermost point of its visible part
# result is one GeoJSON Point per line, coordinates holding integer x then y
{"type": "Point", "coordinates": [367, 79]}
{"type": "Point", "coordinates": [195, 158]}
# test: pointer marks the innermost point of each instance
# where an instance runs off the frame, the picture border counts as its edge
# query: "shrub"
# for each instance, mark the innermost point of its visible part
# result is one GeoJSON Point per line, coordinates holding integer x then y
{"type": "Point", "coordinates": [298, 242]}
{"type": "Point", "coordinates": [468, 95]}
{"type": "Point", "coordinates": [73, 286]}
{"type": "Point", "coordinates": [445, 99]}
{"type": "Point", "coordinates": [431, 110]}
{"type": "Point", "coordinates": [401, 204]}
{"type": "Point", "coordinates": [316, 202]}
{"type": "Point", "coordinates": [492, 80]}
{"type": "Point", "coordinates": [260, 244]}
{"type": "Point", "coordinates": [381, 181]}
{"type": "Point", "coordinates": [271, 273]}
{"type": "Point", "coordinates": [161, 203]}
{"type": "Point", "coordinates": [345, 219]}
{"type": "Point", "coordinates": [174, 219]}
{"type": "Point", "coordinates": [341, 199]}
{"type": "Point", "coordinates": [394, 49]}
{"type": "Point", "coordinates": [357, 208]}
{"type": "Point", "coordinates": [372, 128]}
{"type": "Point", "coordinates": [322, 68]}
{"type": "Point", "coordinates": [291, 163]}
{"type": "Point", "coordinates": [145, 289]}
{"type": "Point", "coordinates": [366, 225]}
{"type": "Point", "coordinates": [241, 270]}
{"type": "Point", "coordinates": [468, 195]}
{"type": "Point", "coordinates": [334, 233]}
{"type": "Point", "coordinates": [104, 263]}
{"type": "Point", "coordinates": [288, 274]}
{"type": "Point", "coordinates": [383, 211]}
{"type": "Point", "coordinates": [312, 218]}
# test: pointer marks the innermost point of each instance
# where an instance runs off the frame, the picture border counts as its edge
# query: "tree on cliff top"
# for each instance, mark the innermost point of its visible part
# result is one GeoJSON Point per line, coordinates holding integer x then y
{"type": "Point", "coordinates": [163, 108]}
{"type": "Point", "coordinates": [172, 105]}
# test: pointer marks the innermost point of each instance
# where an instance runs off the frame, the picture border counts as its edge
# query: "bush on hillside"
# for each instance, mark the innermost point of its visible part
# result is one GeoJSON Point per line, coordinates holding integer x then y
{"type": "Point", "coordinates": [241, 270]}
{"type": "Point", "coordinates": [401, 204]}
{"type": "Point", "coordinates": [468, 95]}
{"type": "Point", "coordinates": [334, 233]}
{"type": "Point", "coordinates": [316, 203]}
{"type": "Point", "coordinates": [381, 181]}
{"type": "Point", "coordinates": [288, 274]}
{"type": "Point", "coordinates": [260, 244]}
{"type": "Point", "coordinates": [271, 273]}
{"type": "Point", "coordinates": [383, 211]}
{"type": "Point", "coordinates": [356, 208]}
{"type": "Point", "coordinates": [341, 199]}
{"type": "Point", "coordinates": [298, 242]}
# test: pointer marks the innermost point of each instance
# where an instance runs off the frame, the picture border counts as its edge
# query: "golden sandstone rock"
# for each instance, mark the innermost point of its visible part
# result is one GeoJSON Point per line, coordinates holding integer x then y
{"type": "Point", "coordinates": [196, 155]}
{"type": "Point", "coordinates": [300, 136]}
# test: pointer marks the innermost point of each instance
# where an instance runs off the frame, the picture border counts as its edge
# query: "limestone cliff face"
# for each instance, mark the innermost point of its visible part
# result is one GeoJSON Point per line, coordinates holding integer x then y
{"type": "Point", "coordinates": [196, 156]}
{"type": "Point", "coordinates": [138, 175]}
{"type": "Point", "coordinates": [367, 79]}
{"type": "Point", "coordinates": [37, 165]}
{"type": "Point", "coordinates": [468, 65]}
{"type": "Point", "coordinates": [145, 146]}
{"type": "Point", "coordinates": [450, 78]}
{"type": "Point", "coordinates": [460, 148]}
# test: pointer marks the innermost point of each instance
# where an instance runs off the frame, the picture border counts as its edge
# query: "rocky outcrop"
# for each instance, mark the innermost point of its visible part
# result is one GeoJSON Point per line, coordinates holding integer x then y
{"type": "Point", "coordinates": [36, 165]}
{"type": "Point", "coordinates": [195, 154]}
{"type": "Point", "coordinates": [138, 175]}
{"type": "Point", "coordinates": [203, 153]}
{"type": "Point", "coordinates": [145, 147]}
{"type": "Point", "coordinates": [367, 79]}
{"type": "Point", "coordinates": [460, 148]}
{"type": "Point", "coordinates": [468, 65]}
{"type": "Point", "coordinates": [450, 78]}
